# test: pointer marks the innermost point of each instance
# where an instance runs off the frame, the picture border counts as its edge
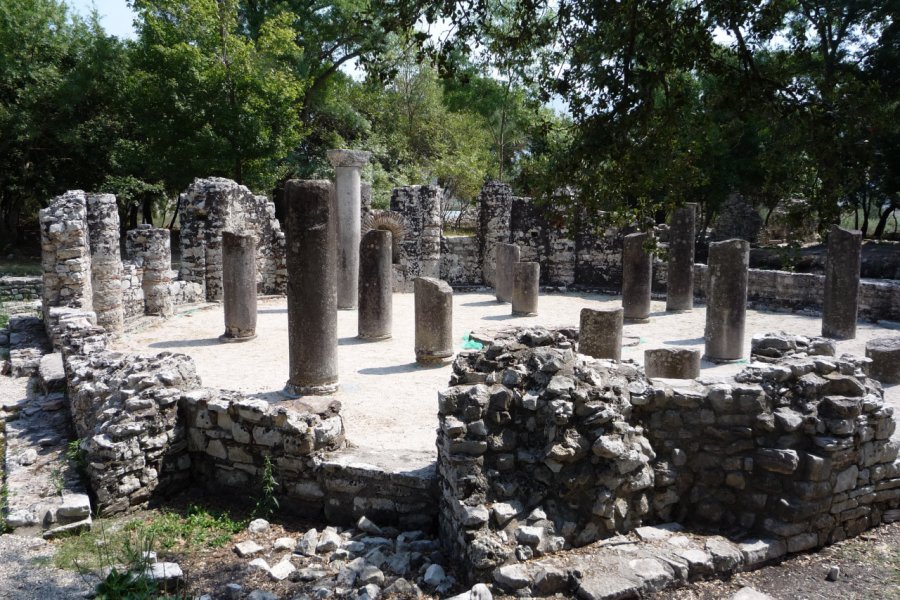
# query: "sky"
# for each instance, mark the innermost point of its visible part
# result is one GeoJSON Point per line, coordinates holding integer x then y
{"type": "Point", "coordinates": [115, 16]}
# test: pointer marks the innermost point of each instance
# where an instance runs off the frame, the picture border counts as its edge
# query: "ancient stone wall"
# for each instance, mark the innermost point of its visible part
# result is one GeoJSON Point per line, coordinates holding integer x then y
{"type": "Point", "coordinates": [212, 205]}
{"type": "Point", "coordinates": [878, 299]}
{"type": "Point", "coordinates": [19, 289]}
{"type": "Point", "coordinates": [541, 448]}
{"type": "Point", "coordinates": [537, 450]}
{"type": "Point", "coordinates": [460, 260]}
{"type": "Point", "coordinates": [66, 253]}
{"type": "Point", "coordinates": [132, 290]}
{"type": "Point", "coordinates": [420, 251]}
{"type": "Point", "coordinates": [495, 206]}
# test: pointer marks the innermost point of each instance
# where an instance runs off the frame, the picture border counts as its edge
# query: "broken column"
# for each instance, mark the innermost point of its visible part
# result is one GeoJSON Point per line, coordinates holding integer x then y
{"type": "Point", "coordinates": [106, 261]}
{"type": "Point", "coordinates": [680, 277]}
{"type": "Point", "coordinates": [375, 299]}
{"type": "Point", "coordinates": [726, 293]}
{"type": "Point", "coordinates": [65, 253]}
{"type": "Point", "coordinates": [151, 247]}
{"type": "Point", "coordinates": [637, 276]}
{"type": "Point", "coordinates": [672, 363]}
{"type": "Point", "coordinates": [885, 355]}
{"type": "Point", "coordinates": [841, 299]}
{"type": "Point", "coordinates": [239, 281]}
{"type": "Point", "coordinates": [312, 288]}
{"type": "Point", "coordinates": [600, 333]}
{"type": "Point", "coordinates": [434, 319]}
{"type": "Point", "coordinates": [507, 255]}
{"type": "Point", "coordinates": [525, 289]}
{"type": "Point", "coordinates": [348, 201]}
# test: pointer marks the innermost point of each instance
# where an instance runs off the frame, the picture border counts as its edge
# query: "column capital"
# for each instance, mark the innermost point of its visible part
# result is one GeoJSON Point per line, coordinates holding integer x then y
{"type": "Point", "coordinates": [348, 158]}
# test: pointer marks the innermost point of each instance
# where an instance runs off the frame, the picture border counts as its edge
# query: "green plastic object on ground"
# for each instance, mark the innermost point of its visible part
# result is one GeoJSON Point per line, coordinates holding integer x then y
{"type": "Point", "coordinates": [470, 344]}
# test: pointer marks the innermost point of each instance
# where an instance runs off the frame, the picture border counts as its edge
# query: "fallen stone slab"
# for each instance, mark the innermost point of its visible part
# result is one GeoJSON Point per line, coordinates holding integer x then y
{"type": "Point", "coordinates": [748, 593]}
{"type": "Point", "coordinates": [167, 575]}
{"type": "Point", "coordinates": [52, 373]}
{"type": "Point", "coordinates": [68, 529]}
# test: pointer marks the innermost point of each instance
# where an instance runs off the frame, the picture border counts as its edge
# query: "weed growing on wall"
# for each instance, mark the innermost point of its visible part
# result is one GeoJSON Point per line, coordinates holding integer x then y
{"type": "Point", "coordinates": [266, 502]}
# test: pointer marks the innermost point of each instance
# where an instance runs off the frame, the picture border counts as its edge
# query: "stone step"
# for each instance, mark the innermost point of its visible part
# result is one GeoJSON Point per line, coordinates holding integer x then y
{"type": "Point", "coordinates": [27, 344]}
{"type": "Point", "coordinates": [45, 490]}
{"type": "Point", "coordinates": [52, 373]}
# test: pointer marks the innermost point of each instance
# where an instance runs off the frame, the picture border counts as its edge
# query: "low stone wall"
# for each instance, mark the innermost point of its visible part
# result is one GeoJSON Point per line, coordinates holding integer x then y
{"type": "Point", "coordinates": [878, 300]}
{"type": "Point", "coordinates": [18, 289]}
{"type": "Point", "coordinates": [460, 261]}
{"type": "Point", "coordinates": [132, 290]}
{"type": "Point", "coordinates": [541, 448]}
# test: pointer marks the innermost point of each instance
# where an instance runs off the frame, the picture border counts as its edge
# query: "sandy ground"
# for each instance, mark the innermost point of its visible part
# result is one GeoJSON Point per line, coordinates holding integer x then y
{"type": "Point", "coordinates": [389, 402]}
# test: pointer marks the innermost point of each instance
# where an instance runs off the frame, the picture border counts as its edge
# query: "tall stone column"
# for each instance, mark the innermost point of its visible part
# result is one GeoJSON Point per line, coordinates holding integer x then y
{"type": "Point", "coordinates": [348, 202]}
{"type": "Point", "coordinates": [526, 288]}
{"type": "Point", "coordinates": [495, 209]}
{"type": "Point", "coordinates": [726, 293]}
{"type": "Point", "coordinates": [66, 253]}
{"type": "Point", "coordinates": [841, 300]}
{"type": "Point", "coordinates": [507, 256]}
{"type": "Point", "coordinates": [375, 295]}
{"type": "Point", "coordinates": [637, 276]}
{"type": "Point", "coordinates": [600, 333]}
{"type": "Point", "coordinates": [239, 286]}
{"type": "Point", "coordinates": [152, 248]}
{"type": "Point", "coordinates": [106, 261]}
{"type": "Point", "coordinates": [312, 288]}
{"type": "Point", "coordinates": [434, 320]}
{"type": "Point", "coordinates": [680, 281]}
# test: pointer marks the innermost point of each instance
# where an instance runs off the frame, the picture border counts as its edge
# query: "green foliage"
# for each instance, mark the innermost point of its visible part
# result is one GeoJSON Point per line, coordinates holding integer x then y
{"type": "Point", "coordinates": [266, 501]}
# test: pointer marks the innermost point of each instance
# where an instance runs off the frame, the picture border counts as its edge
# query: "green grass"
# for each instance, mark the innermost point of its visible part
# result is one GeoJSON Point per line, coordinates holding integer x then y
{"type": "Point", "coordinates": [112, 543]}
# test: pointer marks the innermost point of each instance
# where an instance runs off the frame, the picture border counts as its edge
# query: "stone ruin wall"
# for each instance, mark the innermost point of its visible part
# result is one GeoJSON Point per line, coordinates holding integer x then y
{"type": "Point", "coordinates": [66, 253]}
{"type": "Point", "coordinates": [540, 448]}
{"type": "Point", "coordinates": [420, 251]}
{"type": "Point", "coordinates": [210, 206]}
{"type": "Point", "coordinates": [20, 289]}
{"type": "Point", "coordinates": [149, 429]}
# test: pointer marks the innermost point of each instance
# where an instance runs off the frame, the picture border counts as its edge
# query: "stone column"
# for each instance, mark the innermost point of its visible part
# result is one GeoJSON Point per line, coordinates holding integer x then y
{"type": "Point", "coordinates": [239, 286]}
{"type": "Point", "coordinates": [151, 247]}
{"type": "Point", "coordinates": [637, 276]}
{"type": "Point", "coordinates": [885, 355]}
{"type": "Point", "coordinates": [375, 296]}
{"type": "Point", "coordinates": [680, 278]}
{"type": "Point", "coordinates": [672, 363]}
{"type": "Point", "coordinates": [66, 254]}
{"type": "Point", "coordinates": [434, 320]}
{"type": "Point", "coordinates": [526, 286]}
{"type": "Point", "coordinates": [348, 202]}
{"type": "Point", "coordinates": [495, 208]}
{"type": "Point", "coordinates": [312, 288]}
{"type": "Point", "coordinates": [841, 300]}
{"type": "Point", "coordinates": [726, 293]}
{"type": "Point", "coordinates": [106, 261]}
{"type": "Point", "coordinates": [507, 255]}
{"type": "Point", "coordinates": [600, 333]}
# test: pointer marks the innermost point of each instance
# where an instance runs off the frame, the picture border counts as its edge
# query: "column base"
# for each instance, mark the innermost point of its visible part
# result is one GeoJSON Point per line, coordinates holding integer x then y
{"type": "Point", "coordinates": [519, 313]}
{"type": "Point", "coordinates": [235, 340]}
{"type": "Point", "coordinates": [722, 361]}
{"type": "Point", "coordinates": [636, 321]}
{"type": "Point", "coordinates": [374, 338]}
{"type": "Point", "coordinates": [434, 358]}
{"type": "Point", "coordinates": [679, 311]}
{"type": "Point", "coordinates": [296, 391]}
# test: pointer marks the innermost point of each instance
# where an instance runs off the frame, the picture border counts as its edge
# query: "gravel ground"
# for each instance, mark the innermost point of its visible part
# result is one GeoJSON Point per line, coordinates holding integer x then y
{"type": "Point", "coordinates": [26, 572]}
{"type": "Point", "coordinates": [389, 402]}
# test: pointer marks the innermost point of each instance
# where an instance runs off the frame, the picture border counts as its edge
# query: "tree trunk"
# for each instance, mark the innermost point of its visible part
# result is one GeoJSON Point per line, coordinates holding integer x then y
{"type": "Point", "coordinates": [883, 219]}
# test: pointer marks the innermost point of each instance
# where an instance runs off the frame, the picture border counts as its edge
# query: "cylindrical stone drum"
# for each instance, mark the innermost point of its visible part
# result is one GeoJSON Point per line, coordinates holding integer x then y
{"type": "Point", "coordinates": [600, 334]}
{"type": "Point", "coordinates": [434, 319]}
{"type": "Point", "coordinates": [239, 286]}
{"type": "Point", "coordinates": [680, 272]}
{"type": "Point", "coordinates": [507, 256]}
{"type": "Point", "coordinates": [841, 299]}
{"type": "Point", "coordinates": [672, 363]}
{"type": "Point", "coordinates": [526, 288]}
{"type": "Point", "coordinates": [885, 355]}
{"type": "Point", "coordinates": [726, 293]}
{"type": "Point", "coordinates": [637, 275]}
{"type": "Point", "coordinates": [375, 300]}
{"type": "Point", "coordinates": [312, 291]}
